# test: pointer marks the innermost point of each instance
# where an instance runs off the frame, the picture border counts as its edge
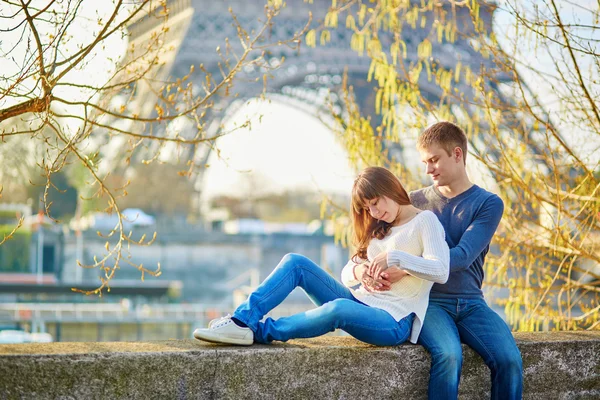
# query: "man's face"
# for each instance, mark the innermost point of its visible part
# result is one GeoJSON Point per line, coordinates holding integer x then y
{"type": "Point", "coordinates": [439, 165]}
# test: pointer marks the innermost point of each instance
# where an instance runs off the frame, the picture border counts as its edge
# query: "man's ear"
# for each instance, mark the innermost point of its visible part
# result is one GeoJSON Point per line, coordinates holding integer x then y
{"type": "Point", "coordinates": [458, 154]}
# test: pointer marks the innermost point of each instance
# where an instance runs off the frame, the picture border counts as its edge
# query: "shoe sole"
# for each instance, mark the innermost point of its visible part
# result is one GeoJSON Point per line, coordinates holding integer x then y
{"type": "Point", "coordinates": [222, 340]}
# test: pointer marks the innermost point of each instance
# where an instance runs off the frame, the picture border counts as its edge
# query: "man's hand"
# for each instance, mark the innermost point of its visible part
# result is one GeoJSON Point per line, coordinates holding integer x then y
{"type": "Point", "coordinates": [390, 276]}
{"type": "Point", "coordinates": [376, 285]}
{"type": "Point", "coordinates": [361, 272]}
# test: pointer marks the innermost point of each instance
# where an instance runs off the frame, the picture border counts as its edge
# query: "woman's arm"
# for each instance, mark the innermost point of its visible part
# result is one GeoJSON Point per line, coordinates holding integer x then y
{"type": "Point", "coordinates": [434, 263]}
{"type": "Point", "coordinates": [350, 274]}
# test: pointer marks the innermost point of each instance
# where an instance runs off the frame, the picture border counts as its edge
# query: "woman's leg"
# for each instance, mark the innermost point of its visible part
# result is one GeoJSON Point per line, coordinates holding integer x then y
{"type": "Point", "coordinates": [368, 324]}
{"type": "Point", "coordinates": [294, 270]}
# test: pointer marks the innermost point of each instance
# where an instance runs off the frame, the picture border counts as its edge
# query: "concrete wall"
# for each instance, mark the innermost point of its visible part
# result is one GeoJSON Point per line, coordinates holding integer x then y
{"type": "Point", "coordinates": [563, 365]}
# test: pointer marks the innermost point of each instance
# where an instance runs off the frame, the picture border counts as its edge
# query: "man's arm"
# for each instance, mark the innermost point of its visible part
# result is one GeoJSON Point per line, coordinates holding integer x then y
{"type": "Point", "coordinates": [478, 235]}
{"type": "Point", "coordinates": [475, 239]}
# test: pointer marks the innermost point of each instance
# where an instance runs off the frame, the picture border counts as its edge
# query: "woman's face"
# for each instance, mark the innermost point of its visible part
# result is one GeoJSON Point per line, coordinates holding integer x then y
{"type": "Point", "coordinates": [382, 208]}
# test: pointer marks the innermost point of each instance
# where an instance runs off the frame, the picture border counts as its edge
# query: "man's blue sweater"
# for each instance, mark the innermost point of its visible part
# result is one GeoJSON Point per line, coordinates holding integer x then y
{"type": "Point", "coordinates": [470, 220]}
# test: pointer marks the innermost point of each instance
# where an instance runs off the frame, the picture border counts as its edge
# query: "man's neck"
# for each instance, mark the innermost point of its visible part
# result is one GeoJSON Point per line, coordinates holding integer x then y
{"type": "Point", "coordinates": [455, 188]}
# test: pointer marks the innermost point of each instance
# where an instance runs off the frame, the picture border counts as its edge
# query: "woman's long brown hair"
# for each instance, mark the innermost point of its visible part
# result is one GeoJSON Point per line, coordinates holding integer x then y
{"type": "Point", "coordinates": [371, 183]}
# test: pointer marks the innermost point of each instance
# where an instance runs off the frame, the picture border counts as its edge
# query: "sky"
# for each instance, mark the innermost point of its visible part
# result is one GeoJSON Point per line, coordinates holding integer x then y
{"type": "Point", "coordinates": [262, 149]}
{"type": "Point", "coordinates": [571, 12]}
{"type": "Point", "coordinates": [99, 65]}
{"type": "Point", "coordinates": [287, 148]}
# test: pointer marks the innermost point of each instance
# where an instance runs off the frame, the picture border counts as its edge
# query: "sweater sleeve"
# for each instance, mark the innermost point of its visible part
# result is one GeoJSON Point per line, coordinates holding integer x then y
{"type": "Point", "coordinates": [434, 263]}
{"type": "Point", "coordinates": [478, 235]}
{"type": "Point", "coordinates": [348, 278]}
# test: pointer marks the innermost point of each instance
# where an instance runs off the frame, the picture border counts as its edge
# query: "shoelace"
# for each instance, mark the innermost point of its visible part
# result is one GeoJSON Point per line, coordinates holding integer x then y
{"type": "Point", "coordinates": [220, 322]}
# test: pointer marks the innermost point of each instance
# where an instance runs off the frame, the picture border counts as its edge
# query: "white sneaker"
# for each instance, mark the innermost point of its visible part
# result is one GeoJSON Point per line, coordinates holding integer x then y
{"type": "Point", "coordinates": [224, 330]}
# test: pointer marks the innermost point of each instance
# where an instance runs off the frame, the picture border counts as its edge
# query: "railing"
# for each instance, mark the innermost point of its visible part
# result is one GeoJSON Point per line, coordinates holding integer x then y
{"type": "Point", "coordinates": [121, 313]}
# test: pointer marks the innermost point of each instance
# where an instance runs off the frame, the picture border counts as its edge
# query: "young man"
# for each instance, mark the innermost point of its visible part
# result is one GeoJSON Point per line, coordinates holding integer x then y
{"type": "Point", "coordinates": [457, 311]}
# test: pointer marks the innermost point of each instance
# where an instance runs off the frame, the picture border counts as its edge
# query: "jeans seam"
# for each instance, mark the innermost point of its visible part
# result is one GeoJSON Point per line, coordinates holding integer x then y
{"type": "Point", "coordinates": [442, 307]}
{"type": "Point", "coordinates": [395, 328]}
{"type": "Point", "coordinates": [253, 310]}
{"type": "Point", "coordinates": [491, 357]}
{"type": "Point", "coordinates": [325, 283]}
{"type": "Point", "coordinates": [424, 342]}
{"type": "Point", "coordinates": [375, 327]}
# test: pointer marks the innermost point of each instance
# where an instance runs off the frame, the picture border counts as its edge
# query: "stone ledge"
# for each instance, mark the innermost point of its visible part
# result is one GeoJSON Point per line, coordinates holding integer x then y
{"type": "Point", "coordinates": [560, 365]}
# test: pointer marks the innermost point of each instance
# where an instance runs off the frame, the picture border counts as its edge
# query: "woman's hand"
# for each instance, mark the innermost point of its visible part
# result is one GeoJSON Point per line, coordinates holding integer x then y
{"type": "Point", "coordinates": [378, 265]}
{"type": "Point", "coordinates": [360, 270]}
{"type": "Point", "coordinates": [361, 273]}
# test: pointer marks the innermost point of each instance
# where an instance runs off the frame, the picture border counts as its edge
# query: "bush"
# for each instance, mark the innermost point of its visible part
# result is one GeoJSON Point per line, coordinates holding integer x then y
{"type": "Point", "coordinates": [14, 253]}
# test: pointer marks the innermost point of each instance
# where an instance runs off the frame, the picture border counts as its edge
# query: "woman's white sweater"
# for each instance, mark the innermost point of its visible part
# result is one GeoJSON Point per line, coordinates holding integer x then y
{"type": "Point", "coordinates": [418, 247]}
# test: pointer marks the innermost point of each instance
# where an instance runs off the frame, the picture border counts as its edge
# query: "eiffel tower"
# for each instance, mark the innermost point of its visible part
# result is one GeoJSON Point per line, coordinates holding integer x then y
{"type": "Point", "coordinates": [306, 75]}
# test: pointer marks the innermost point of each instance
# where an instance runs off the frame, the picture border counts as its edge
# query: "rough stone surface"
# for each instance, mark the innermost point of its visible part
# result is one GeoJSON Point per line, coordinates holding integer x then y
{"type": "Point", "coordinates": [559, 365]}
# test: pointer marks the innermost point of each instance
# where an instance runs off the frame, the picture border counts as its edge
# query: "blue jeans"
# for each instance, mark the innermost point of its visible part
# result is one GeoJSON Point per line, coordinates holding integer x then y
{"type": "Point", "coordinates": [449, 322]}
{"type": "Point", "coordinates": [337, 308]}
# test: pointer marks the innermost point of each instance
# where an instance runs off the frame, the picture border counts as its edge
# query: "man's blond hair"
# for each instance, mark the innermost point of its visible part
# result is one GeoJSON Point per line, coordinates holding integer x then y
{"type": "Point", "coordinates": [446, 135]}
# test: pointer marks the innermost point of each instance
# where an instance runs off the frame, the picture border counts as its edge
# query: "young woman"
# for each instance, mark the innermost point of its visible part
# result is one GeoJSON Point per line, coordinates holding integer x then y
{"type": "Point", "coordinates": [388, 231]}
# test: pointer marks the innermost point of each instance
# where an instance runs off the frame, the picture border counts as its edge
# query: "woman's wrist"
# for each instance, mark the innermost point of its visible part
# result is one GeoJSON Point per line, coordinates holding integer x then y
{"type": "Point", "coordinates": [354, 271]}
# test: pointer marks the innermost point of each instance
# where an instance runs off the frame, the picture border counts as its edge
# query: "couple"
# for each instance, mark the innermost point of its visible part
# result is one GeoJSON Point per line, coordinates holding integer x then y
{"type": "Point", "coordinates": [419, 263]}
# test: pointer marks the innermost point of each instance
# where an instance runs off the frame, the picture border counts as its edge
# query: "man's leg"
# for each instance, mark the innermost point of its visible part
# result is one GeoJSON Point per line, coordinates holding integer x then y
{"type": "Point", "coordinates": [484, 331]}
{"type": "Point", "coordinates": [440, 337]}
